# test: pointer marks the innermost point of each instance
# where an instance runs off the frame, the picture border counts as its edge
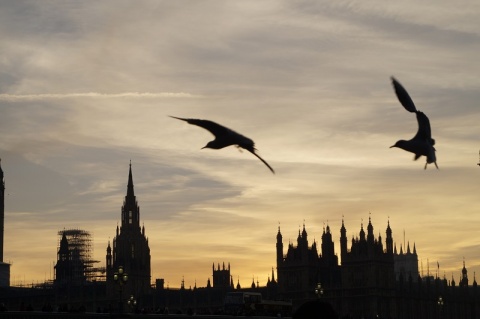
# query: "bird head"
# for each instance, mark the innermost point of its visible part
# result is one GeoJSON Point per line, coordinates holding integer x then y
{"type": "Point", "coordinates": [399, 144]}
{"type": "Point", "coordinates": [212, 144]}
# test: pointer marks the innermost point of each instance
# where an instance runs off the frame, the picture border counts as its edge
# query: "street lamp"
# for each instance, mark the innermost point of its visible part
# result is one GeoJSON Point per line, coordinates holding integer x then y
{"type": "Point", "coordinates": [440, 306]}
{"type": "Point", "coordinates": [132, 303]}
{"type": "Point", "coordinates": [440, 301]}
{"type": "Point", "coordinates": [120, 277]}
{"type": "Point", "coordinates": [319, 290]}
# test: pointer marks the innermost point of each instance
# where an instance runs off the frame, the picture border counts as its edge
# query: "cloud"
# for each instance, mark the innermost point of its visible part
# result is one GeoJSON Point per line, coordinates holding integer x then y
{"type": "Point", "coordinates": [20, 97]}
{"type": "Point", "coordinates": [87, 87]}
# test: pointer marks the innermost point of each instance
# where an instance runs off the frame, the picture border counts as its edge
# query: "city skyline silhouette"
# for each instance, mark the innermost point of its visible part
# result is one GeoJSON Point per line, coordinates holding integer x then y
{"type": "Point", "coordinates": [131, 203]}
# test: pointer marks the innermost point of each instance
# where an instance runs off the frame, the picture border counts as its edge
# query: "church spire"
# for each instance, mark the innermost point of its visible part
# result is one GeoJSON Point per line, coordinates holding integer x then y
{"type": "Point", "coordinates": [130, 209]}
{"type": "Point", "coordinates": [130, 247]}
{"type": "Point", "coordinates": [130, 192]}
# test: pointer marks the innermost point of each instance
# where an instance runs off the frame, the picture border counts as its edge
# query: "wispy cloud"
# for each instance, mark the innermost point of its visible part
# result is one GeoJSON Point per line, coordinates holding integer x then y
{"type": "Point", "coordinates": [87, 87]}
{"type": "Point", "coordinates": [21, 97]}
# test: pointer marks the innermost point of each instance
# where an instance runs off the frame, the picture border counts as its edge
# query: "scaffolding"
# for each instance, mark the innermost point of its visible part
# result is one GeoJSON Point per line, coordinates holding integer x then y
{"type": "Point", "coordinates": [81, 250]}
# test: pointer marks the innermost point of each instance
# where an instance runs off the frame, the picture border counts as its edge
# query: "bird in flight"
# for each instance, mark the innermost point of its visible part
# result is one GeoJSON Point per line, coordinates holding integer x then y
{"type": "Point", "coordinates": [225, 137]}
{"type": "Point", "coordinates": [422, 143]}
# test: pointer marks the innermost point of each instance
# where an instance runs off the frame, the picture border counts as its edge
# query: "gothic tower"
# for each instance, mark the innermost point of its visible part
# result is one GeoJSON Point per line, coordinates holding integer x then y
{"type": "Point", "coordinates": [301, 269]}
{"type": "Point", "coordinates": [464, 279]}
{"type": "Point", "coordinates": [62, 268]}
{"type": "Point", "coordinates": [279, 248]}
{"type": "Point", "coordinates": [4, 267]}
{"type": "Point", "coordinates": [389, 240]}
{"type": "Point", "coordinates": [130, 250]}
{"type": "Point", "coordinates": [280, 258]}
{"type": "Point", "coordinates": [367, 269]}
{"type": "Point", "coordinates": [328, 252]}
{"type": "Point", "coordinates": [343, 242]}
{"type": "Point", "coordinates": [221, 277]}
{"type": "Point", "coordinates": [329, 271]}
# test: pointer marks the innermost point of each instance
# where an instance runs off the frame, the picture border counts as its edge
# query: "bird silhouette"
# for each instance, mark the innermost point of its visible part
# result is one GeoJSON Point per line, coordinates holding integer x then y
{"type": "Point", "coordinates": [225, 137]}
{"type": "Point", "coordinates": [422, 143]}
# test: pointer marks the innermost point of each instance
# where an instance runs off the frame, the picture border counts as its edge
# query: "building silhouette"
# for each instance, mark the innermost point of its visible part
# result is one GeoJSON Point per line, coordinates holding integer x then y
{"type": "Point", "coordinates": [74, 258]}
{"type": "Point", "coordinates": [368, 280]}
{"type": "Point", "coordinates": [372, 280]}
{"type": "Point", "coordinates": [464, 278]}
{"type": "Point", "coordinates": [4, 267]}
{"type": "Point", "coordinates": [222, 277]}
{"type": "Point", "coordinates": [406, 264]}
{"type": "Point", "coordinates": [302, 267]}
{"type": "Point", "coordinates": [375, 281]}
{"type": "Point", "coordinates": [130, 250]}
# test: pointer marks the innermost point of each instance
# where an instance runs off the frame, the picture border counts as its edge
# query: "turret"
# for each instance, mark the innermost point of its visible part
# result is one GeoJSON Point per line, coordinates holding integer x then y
{"type": "Point", "coordinates": [389, 240]}
{"type": "Point", "coordinates": [362, 233]}
{"type": "Point", "coordinates": [343, 242]}
{"type": "Point", "coordinates": [464, 280]}
{"type": "Point", "coordinates": [63, 251]}
{"type": "Point", "coordinates": [109, 256]}
{"type": "Point", "coordinates": [370, 237]}
{"type": "Point", "coordinates": [279, 248]}
{"type": "Point", "coordinates": [327, 245]}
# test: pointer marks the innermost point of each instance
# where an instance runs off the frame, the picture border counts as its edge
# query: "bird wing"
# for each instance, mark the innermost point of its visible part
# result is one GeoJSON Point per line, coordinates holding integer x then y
{"type": "Point", "coordinates": [403, 96]}
{"type": "Point", "coordinates": [214, 128]}
{"type": "Point", "coordinates": [221, 132]}
{"type": "Point", "coordinates": [264, 162]}
{"type": "Point", "coordinates": [424, 131]}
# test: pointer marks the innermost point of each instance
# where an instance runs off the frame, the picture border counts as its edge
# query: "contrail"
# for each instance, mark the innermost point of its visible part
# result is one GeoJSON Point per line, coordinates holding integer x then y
{"type": "Point", "coordinates": [19, 97]}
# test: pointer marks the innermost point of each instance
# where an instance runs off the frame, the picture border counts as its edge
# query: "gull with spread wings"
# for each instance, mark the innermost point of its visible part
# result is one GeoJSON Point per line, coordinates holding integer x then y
{"type": "Point", "coordinates": [422, 143]}
{"type": "Point", "coordinates": [225, 137]}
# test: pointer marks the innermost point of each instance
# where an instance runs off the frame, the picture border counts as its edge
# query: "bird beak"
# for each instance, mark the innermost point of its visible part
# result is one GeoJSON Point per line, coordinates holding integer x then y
{"type": "Point", "coordinates": [203, 147]}
{"type": "Point", "coordinates": [392, 146]}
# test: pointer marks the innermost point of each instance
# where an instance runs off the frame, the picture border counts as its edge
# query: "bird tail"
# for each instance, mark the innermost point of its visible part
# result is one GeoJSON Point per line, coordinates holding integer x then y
{"type": "Point", "coordinates": [264, 162]}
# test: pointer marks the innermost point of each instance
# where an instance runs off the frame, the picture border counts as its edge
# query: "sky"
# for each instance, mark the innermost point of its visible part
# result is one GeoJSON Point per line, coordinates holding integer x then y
{"type": "Point", "coordinates": [88, 86]}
